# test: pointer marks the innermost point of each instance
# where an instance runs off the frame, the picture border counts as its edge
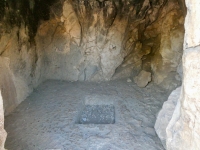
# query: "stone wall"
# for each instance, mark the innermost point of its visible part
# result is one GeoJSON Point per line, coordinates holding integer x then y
{"type": "Point", "coordinates": [165, 115]}
{"type": "Point", "coordinates": [183, 129]}
{"type": "Point", "coordinates": [3, 133]}
{"type": "Point", "coordinates": [91, 41]}
{"type": "Point", "coordinates": [20, 67]}
{"type": "Point", "coordinates": [108, 40]}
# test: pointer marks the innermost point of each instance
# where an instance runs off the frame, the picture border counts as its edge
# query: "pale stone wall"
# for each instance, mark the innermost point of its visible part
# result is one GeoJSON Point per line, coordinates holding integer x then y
{"type": "Point", "coordinates": [183, 131]}
{"type": "Point", "coordinates": [20, 64]}
{"type": "Point", "coordinates": [3, 133]}
{"type": "Point", "coordinates": [7, 86]}
{"type": "Point", "coordinates": [165, 115]}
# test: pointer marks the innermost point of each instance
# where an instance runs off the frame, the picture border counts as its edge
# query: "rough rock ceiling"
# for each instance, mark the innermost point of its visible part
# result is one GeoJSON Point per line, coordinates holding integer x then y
{"type": "Point", "coordinates": [32, 11]}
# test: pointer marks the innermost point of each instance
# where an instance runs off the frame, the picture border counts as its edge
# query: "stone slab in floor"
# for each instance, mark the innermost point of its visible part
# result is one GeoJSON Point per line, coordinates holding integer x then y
{"type": "Point", "coordinates": [97, 114]}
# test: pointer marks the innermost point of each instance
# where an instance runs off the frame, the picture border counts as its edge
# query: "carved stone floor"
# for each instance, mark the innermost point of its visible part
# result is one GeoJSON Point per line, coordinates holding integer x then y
{"type": "Point", "coordinates": [49, 118]}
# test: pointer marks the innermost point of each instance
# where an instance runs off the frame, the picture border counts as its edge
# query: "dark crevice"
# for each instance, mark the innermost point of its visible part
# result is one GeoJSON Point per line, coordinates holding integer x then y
{"type": "Point", "coordinates": [16, 12]}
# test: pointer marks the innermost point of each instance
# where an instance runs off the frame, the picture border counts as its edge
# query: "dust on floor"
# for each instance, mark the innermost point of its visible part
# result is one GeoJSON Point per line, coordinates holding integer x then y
{"type": "Point", "coordinates": [47, 119]}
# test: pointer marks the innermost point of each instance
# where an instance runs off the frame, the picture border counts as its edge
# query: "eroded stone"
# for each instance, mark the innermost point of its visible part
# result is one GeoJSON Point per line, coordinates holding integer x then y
{"type": "Point", "coordinates": [165, 115]}
{"type": "Point", "coordinates": [143, 78]}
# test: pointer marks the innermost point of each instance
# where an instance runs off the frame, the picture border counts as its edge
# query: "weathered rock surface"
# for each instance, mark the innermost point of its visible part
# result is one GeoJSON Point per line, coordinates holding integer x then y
{"type": "Point", "coordinates": [85, 44]}
{"type": "Point", "coordinates": [20, 66]}
{"type": "Point", "coordinates": [107, 40]}
{"type": "Point", "coordinates": [3, 133]}
{"type": "Point", "coordinates": [143, 78]}
{"type": "Point", "coordinates": [164, 64]}
{"type": "Point", "coordinates": [7, 86]}
{"type": "Point", "coordinates": [165, 115]}
{"type": "Point", "coordinates": [92, 41]}
{"type": "Point", "coordinates": [183, 129]}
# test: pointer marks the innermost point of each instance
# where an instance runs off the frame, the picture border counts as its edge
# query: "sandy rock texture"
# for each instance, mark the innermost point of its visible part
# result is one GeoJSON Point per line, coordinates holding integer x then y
{"type": "Point", "coordinates": [163, 63]}
{"type": "Point", "coordinates": [183, 129]}
{"type": "Point", "coordinates": [165, 115]}
{"type": "Point", "coordinates": [3, 133]}
{"type": "Point", "coordinates": [143, 78]}
{"type": "Point", "coordinates": [91, 41]}
{"type": "Point", "coordinates": [7, 86]}
{"type": "Point", "coordinates": [18, 61]}
{"type": "Point", "coordinates": [106, 40]}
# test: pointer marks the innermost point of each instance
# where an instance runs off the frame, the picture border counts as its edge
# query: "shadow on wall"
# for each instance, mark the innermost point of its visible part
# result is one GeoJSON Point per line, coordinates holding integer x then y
{"type": "Point", "coordinates": [93, 42]}
{"type": "Point", "coordinates": [90, 41]}
{"type": "Point", "coordinates": [7, 86]}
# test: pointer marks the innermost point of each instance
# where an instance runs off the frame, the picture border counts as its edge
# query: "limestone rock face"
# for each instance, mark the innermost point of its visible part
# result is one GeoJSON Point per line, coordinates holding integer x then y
{"type": "Point", "coordinates": [7, 86]}
{"type": "Point", "coordinates": [20, 67]}
{"type": "Point", "coordinates": [143, 78]}
{"type": "Point", "coordinates": [91, 41]}
{"type": "Point", "coordinates": [3, 133]}
{"type": "Point", "coordinates": [86, 42]}
{"type": "Point", "coordinates": [165, 115]}
{"type": "Point", "coordinates": [104, 40]}
{"type": "Point", "coordinates": [183, 129]}
{"type": "Point", "coordinates": [192, 34]}
{"type": "Point", "coordinates": [164, 64]}
{"type": "Point", "coordinates": [158, 46]}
